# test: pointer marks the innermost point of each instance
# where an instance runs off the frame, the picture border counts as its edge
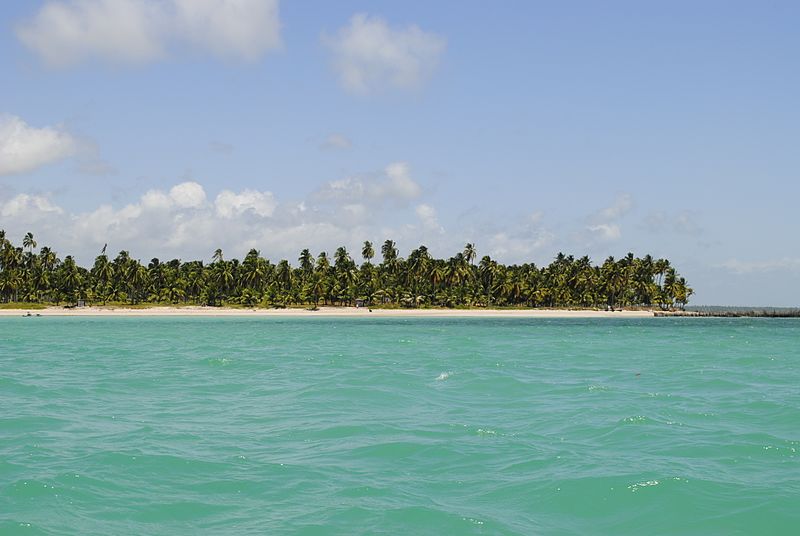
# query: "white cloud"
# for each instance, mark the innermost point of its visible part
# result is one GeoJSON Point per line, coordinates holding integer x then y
{"type": "Point", "coordinates": [370, 56]}
{"type": "Point", "coordinates": [156, 200]}
{"type": "Point", "coordinates": [395, 184]}
{"type": "Point", "coordinates": [105, 224]}
{"type": "Point", "coordinates": [605, 231]}
{"type": "Point", "coordinates": [29, 207]}
{"type": "Point", "coordinates": [24, 148]}
{"type": "Point", "coordinates": [336, 141]}
{"type": "Point", "coordinates": [66, 32]}
{"type": "Point", "coordinates": [603, 225]}
{"type": "Point", "coordinates": [400, 184]}
{"type": "Point", "coordinates": [243, 29]}
{"type": "Point", "coordinates": [230, 204]}
{"type": "Point", "coordinates": [188, 194]}
{"type": "Point", "coordinates": [181, 222]}
{"type": "Point", "coordinates": [427, 215]}
{"type": "Point", "coordinates": [185, 222]}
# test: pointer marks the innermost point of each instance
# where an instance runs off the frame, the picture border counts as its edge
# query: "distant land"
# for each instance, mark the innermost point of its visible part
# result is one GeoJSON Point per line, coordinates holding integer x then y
{"type": "Point", "coordinates": [28, 276]}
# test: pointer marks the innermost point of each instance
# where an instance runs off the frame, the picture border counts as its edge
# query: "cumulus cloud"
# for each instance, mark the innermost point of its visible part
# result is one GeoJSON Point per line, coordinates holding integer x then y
{"type": "Point", "coordinates": [243, 29]}
{"type": "Point", "coordinates": [336, 141]}
{"type": "Point", "coordinates": [184, 195]}
{"type": "Point", "coordinates": [395, 184]}
{"type": "Point", "coordinates": [400, 183]}
{"type": "Point", "coordinates": [66, 32]}
{"type": "Point", "coordinates": [63, 33]}
{"type": "Point", "coordinates": [369, 56]}
{"type": "Point", "coordinates": [187, 221]}
{"type": "Point", "coordinates": [24, 148]}
{"type": "Point", "coordinates": [30, 207]}
{"type": "Point", "coordinates": [187, 194]}
{"type": "Point", "coordinates": [230, 204]}
{"type": "Point", "coordinates": [184, 221]}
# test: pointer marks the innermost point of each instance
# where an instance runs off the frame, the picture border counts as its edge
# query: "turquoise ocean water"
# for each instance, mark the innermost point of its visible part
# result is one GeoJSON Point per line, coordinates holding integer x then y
{"type": "Point", "coordinates": [389, 426]}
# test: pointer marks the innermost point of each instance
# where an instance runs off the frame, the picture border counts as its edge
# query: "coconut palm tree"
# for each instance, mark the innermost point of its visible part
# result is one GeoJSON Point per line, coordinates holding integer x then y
{"type": "Point", "coordinates": [306, 261]}
{"type": "Point", "coordinates": [416, 280]}
{"type": "Point", "coordinates": [389, 252]}
{"type": "Point", "coordinates": [367, 251]}
{"type": "Point", "coordinates": [469, 252]}
{"type": "Point", "coordinates": [29, 242]}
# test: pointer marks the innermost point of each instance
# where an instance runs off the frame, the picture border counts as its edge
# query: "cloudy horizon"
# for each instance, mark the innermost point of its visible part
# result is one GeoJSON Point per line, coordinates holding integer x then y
{"type": "Point", "coordinates": [170, 128]}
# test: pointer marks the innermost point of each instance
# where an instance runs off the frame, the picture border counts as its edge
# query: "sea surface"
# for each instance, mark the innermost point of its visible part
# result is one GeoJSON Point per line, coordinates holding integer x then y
{"type": "Point", "coordinates": [399, 426]}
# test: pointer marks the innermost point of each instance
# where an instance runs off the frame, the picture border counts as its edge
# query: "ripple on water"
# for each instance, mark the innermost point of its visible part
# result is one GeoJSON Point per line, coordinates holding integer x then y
{"type": "Point", "coordinates": [635, 419]}
{"type": "Point", "coordinates": [119, 426]}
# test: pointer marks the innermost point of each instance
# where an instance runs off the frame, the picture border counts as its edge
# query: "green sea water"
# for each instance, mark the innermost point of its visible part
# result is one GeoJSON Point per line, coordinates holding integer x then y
{"type": "Point", "coordinates": [399, 426]}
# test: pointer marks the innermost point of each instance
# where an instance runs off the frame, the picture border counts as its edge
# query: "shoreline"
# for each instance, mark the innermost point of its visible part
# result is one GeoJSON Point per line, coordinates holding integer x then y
{"type": "Point", "coordinates": [326, 312]}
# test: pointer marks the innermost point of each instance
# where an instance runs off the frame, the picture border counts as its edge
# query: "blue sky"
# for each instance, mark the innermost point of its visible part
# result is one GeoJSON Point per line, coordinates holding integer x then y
{"type": "Point", "coordinates": [173, 127]}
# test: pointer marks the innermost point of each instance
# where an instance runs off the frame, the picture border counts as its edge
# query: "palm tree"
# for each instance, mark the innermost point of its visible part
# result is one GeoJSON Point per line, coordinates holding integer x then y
{"type": "Point", "coordinates": [103, 273]}
{"type": "Point", "coordinates": [614, 280]}
{"type": "Point", "coordinates": [341, 258]}
{"type": "Point", "coordinates": [323, 264]}
{"type": "Point", "coordinates": [488, 270]}
{"type": "Point", "coordinates": [389, 252]}
{"type": "Point", "coordinates": [419, 279]}
{"type": "Point", "coordinates": [469, 252]}
{"type": "Point", "coordinates": [253, 271]}
{"type": "Point", "coordinates": [306, 261]}
{"type": "Point", "coordinates": [29, 242]}
{"type": "Point", "coordinates": [283, 274]}
{"type": "Point", "coordinates": [368, 252]}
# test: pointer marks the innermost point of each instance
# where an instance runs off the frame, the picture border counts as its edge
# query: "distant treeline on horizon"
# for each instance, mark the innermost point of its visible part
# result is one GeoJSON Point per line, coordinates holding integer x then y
{"type": "Point", "coordinates": [419, 280]}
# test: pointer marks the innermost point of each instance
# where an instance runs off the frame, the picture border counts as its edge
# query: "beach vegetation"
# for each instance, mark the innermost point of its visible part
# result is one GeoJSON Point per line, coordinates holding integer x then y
{"type": "Point", "coordinates": [419, 280]}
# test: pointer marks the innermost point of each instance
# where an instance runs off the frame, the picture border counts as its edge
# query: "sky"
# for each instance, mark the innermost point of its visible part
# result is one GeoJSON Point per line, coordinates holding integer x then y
{"type": "Point", "coordinates": [171, 128]}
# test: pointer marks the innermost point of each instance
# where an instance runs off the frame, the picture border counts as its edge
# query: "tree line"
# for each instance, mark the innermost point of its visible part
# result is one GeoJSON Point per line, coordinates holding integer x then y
{"type": "Point", "coordinates": [418, 280]}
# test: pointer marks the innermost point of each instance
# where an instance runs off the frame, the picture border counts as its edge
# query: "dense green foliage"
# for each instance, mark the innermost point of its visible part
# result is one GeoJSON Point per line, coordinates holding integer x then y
{"type": "Point", "coordinates": [418, 280]}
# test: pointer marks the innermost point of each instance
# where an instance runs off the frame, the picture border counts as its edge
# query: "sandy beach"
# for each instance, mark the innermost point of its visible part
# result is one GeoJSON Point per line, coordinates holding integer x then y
{"type": "Point", "coordinates": [327, 312]}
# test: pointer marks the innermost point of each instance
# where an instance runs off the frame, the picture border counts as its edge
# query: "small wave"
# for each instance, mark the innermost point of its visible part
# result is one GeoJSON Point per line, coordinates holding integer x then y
{"type": "Point", "coordinates": [782, 451]}
{"type": "Point", "coordinates": [598, 388]}
{"type": "Point", "coordinates": [635, 419]}
{"type": "Point", "coordinates": [639, 485]}
{"type": "Point", "coordinates": [443, 376]}
{"type": "Point", "coordinates": [219, 362]}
